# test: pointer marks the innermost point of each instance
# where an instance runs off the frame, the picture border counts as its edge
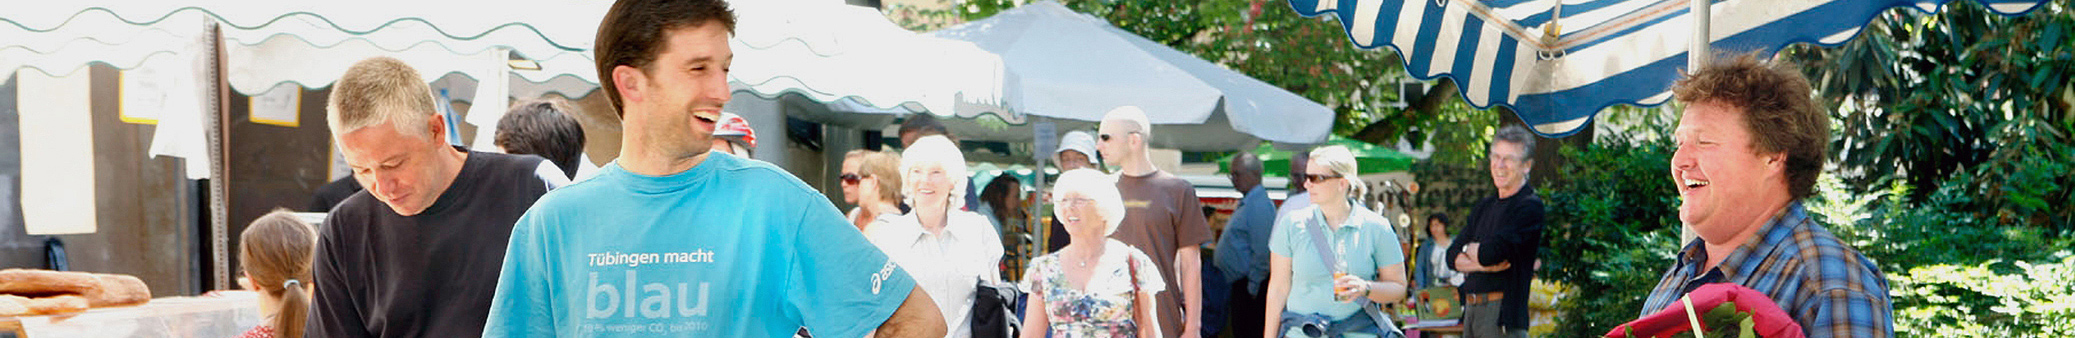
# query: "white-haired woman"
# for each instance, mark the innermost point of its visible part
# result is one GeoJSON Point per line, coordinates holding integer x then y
{"type": "Point", "coordinates": [1309, 297]}
{"type": "Point", "coordinates": [1095, 286]}
{"type": "Point", "coordinates": [947, 250]}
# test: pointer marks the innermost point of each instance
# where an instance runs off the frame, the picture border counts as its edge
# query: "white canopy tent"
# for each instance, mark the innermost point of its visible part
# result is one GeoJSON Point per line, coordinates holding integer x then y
{"type": "Point", "coordinates": [1076, 67]}
{"type": "Point", "coordinates": [833, 52]}
{"type": "Point", "coordinates": [822, 49]}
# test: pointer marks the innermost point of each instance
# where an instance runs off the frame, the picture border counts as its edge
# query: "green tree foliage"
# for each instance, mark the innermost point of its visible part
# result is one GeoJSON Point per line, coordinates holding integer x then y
{"type": "Point", "coordinates": [1612, 229]}
{"type": "Point", "coordinates": [1955, 151]}
{"type": "Point", "coordinates": [1992, 299]}
{"type": "Point", "coordinates": [1923, 97]}
{"type": "Point", "coordinates": [1951, 273]}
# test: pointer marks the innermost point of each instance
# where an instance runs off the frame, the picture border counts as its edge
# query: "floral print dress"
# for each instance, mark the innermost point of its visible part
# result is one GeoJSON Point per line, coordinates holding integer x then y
{"type": "Point", "coordinates": [1104, 308]}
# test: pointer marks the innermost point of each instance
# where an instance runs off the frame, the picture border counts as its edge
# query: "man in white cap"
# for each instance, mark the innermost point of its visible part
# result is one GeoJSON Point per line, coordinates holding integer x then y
{"type": "Point", "coordinates": [1076, 151]}
{"type": "Point", "coordinates": [1162, 218]}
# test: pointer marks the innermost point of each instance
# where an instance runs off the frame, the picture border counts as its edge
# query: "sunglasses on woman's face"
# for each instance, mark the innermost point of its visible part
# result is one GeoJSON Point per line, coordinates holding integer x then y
{"type": "Point", "coordinates": [849, 178]}
{"type": "Point", "coordinates": [1316, 178]}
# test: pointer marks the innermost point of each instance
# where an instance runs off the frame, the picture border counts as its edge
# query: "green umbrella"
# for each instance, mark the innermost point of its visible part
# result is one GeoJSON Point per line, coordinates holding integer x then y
{"type": "Point", "coordinates": [1369, 158]}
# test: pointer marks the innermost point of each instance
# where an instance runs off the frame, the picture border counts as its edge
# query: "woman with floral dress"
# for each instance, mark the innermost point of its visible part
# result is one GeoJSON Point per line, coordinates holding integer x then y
{"type": "Point", "coordinates": [1095, 287]}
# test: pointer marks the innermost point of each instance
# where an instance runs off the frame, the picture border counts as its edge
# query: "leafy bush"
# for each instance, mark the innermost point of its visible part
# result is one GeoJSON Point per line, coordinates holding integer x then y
{"type": "Point", "coordinates": [1993, 299]}
{"type": "Point", "coordinates": [1966, 260]}
{"type": "Point", "coordinates": [1612, 229]}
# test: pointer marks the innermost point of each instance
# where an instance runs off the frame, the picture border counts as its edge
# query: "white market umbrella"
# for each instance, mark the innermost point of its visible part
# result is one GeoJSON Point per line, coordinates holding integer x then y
{"type": "Point", "coordinates": [832, 52]}
{"type": "Point", "coordinates": [1077, 67]}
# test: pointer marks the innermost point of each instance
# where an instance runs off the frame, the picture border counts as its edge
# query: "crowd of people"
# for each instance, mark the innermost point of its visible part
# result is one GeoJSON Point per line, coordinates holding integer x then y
{"type": "Point", "coordinates": [685, 235]}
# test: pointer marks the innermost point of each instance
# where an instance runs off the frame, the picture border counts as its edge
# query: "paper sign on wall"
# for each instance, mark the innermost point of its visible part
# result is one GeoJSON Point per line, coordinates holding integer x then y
{"type": "Point", "coordinates": [141, 94]}
{"type": "Point", "coordinates": [57, 133]}
{"type": "Point", "coordinates": [280, 106]}
{"type": "Point", "coordinates": [1045, 139]}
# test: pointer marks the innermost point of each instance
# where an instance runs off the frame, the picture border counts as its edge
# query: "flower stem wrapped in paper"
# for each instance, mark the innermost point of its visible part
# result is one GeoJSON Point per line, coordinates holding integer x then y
{"type": "Point", "coordinates": [1726, 311]}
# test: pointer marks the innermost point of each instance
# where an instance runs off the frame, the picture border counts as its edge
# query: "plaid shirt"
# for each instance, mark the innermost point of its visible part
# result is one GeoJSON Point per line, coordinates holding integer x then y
{"type": "Point", "coordinates": [1829, 288]}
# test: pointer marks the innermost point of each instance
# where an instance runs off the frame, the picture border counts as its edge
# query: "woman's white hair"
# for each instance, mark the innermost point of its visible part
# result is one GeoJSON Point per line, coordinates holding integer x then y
{"type": "Point", "coordinates": [1096, 186]}
{"type": "Point", "coordinates": [1342, 162]}
{"type": "Point", "coordinates": [939, 150]}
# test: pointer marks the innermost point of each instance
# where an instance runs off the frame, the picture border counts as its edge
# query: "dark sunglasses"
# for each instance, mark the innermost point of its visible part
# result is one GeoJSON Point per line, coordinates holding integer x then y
{"type": "Point", "coordinates": [849, 178]}
{"type": "Point", "coordinates": [1319, 178]}
{"type": "Point", "coordinates": [1106, 137]}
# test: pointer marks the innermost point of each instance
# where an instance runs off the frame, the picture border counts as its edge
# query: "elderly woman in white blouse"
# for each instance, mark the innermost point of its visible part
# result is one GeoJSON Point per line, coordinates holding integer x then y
{"type": "Point", "coordinates": [947, 250]}
{"type": "Point", "coordinates": [1094, 287]}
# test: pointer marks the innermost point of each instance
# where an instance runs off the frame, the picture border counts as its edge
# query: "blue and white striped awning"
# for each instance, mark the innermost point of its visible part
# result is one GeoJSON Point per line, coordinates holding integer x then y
{"type": "Point", "coordinates": [1557, 62]}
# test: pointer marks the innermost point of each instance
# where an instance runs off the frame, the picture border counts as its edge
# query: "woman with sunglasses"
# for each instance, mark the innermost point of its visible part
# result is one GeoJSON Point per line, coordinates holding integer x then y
{"type": "Point", "coordinates": [847, 180]}
{"type": "Point", "coordinates": [878, 181]}
{"type": "Point", "coordinates": [1333, 259]}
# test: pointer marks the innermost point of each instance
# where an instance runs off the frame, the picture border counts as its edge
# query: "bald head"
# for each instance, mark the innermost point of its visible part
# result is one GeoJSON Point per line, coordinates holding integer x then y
{"type": "Point", "coordinates": [1128, 119]}
{"type": "Point", "coordinates": [1122, 136]}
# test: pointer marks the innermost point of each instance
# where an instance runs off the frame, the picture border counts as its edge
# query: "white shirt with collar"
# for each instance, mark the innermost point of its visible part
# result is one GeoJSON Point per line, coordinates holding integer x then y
{"type": "Point", "coordinates": [947, 265]}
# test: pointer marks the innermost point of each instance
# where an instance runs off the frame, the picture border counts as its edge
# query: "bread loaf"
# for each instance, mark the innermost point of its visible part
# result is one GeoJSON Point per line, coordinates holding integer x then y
{"type": "Point", "coordinates": [12, 305]}
{"type": "Point", "coordinates": [34, 283]}
{"type": "Point", "coordinates": [118, 290]}
{"type": "Point", "coordinates": [98, 290]}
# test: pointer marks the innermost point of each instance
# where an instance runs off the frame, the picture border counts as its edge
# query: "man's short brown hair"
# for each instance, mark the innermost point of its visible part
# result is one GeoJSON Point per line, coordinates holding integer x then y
{"type": "Point", "coordinates": [632, 34]}
{"type": "Point", "coordinates": [380, 89]}
{"type": "Point", "coordinates": [1777, 109]}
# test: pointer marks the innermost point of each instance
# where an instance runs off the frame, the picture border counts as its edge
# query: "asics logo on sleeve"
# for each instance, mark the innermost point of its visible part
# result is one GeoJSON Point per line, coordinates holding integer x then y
{"type": "Point", "coordinates": [880, 277]}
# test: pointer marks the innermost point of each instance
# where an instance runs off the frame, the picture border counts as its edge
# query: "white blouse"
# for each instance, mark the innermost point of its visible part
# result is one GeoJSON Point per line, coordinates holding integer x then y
{"type": "Point", "coordinates": [946, 264]}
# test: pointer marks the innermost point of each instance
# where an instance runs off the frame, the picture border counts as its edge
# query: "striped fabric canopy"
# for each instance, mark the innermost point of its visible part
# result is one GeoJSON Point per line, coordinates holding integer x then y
{"type": "Point", "coordinates": [1557, 62]}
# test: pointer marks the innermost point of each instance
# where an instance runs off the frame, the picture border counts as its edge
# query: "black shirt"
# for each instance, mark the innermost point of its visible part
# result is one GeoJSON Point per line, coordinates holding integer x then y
{"type": "Point", "coordinates": [380, 274]}
{"type": "Point", "coordinates": [331, 194]}
{"type": "Point", "coordinates": [1509, 230]}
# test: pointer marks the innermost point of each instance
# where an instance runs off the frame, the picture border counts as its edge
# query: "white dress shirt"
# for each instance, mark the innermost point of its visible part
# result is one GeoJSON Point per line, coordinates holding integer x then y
{"type": "Point", "coordinates": [948, 264]}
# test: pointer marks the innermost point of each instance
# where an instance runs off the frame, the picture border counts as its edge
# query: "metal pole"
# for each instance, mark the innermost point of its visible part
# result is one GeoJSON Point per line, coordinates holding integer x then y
{"type": "Point", "coordinates": [1034, 226]}
{"type": "Point", "coordinates": [219, 167]}
{"type": "Point", "coordinates": [1697, 56]}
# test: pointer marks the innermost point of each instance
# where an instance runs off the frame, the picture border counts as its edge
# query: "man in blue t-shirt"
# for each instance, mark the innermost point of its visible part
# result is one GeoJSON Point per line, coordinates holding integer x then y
{"type": "Point", "coordinates": [672, 240]}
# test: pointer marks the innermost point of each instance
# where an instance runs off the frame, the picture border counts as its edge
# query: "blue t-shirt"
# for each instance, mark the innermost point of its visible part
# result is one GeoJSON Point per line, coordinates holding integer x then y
{"type": "Point", "coordinates": [729, 248]}
{"type": "Point", "coordinates": [1364, 241]}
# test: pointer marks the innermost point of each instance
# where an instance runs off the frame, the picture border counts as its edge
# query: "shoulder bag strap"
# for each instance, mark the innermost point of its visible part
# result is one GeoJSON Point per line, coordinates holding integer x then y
{"type": "Point", "coordinates": [1137, 308]}
{"type": "Point", "coordinates": [1374, 310]}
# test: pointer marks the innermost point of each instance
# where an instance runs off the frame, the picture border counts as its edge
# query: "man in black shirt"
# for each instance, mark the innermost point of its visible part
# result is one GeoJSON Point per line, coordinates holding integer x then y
{"type": "Point", "coordinates": [1497, 247]}
{"type": "Point", "coordinates": [418, 252]}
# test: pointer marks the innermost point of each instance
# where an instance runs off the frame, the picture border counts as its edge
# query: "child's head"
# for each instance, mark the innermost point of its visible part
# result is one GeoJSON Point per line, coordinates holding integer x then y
{"type": "Point", "coordinates": [276, 250]}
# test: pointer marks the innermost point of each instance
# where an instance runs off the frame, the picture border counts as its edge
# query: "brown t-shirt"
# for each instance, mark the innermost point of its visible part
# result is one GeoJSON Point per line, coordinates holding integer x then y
{"type": "Point", "coordinates": [1162, 215]}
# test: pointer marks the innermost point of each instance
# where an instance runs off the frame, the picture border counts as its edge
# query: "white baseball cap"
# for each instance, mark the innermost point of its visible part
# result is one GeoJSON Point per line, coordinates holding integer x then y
{"type": "Point", "coordinates": [1079, 141]}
